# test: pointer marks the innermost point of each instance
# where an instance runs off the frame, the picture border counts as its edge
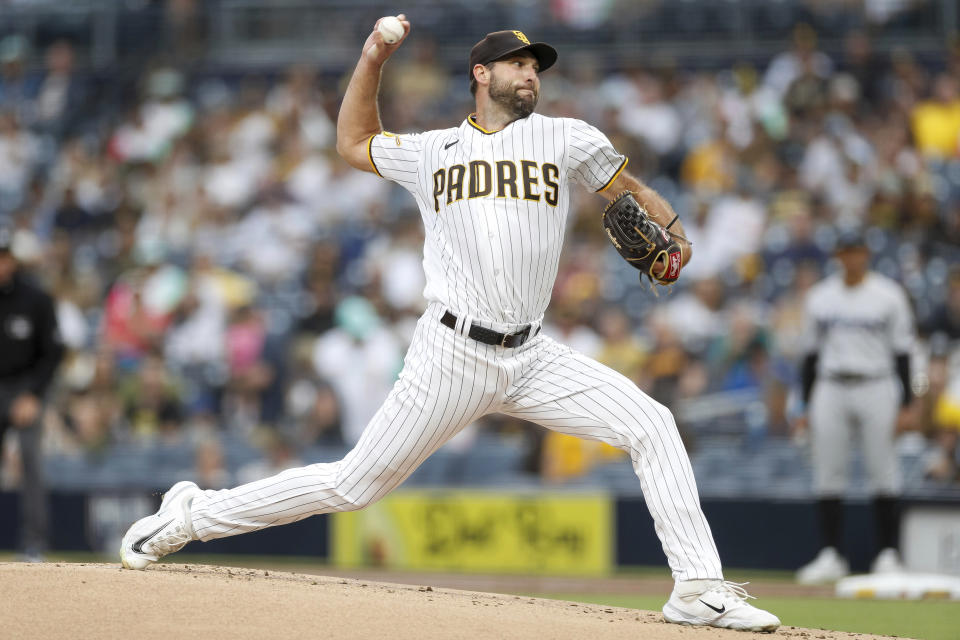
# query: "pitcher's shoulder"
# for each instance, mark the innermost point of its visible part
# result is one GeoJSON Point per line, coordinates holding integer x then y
{"type": "Point", "coordinates": [538, 120]}
{"type": "Point", "coordinates": [558, 121]}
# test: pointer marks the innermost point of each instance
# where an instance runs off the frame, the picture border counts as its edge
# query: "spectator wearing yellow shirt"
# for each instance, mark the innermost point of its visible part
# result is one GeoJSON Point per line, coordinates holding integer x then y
{"type": "Point", "coordinates": [943, 464]}
{"type": "Point", "coordinates": [620, 349]}
{"type": "Point", "coordinates": [936, 122]}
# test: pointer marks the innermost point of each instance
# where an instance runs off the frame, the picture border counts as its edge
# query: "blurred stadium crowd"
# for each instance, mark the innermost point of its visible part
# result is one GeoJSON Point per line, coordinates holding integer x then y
{"type": "Point", "coordinates": [236, 299]}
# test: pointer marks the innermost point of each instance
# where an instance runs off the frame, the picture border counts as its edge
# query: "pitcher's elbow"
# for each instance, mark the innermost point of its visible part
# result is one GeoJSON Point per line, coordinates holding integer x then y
{"type": "Point", "coordinates": [342, 148]}
{"type": "Point", "coordinates": [356, 156]}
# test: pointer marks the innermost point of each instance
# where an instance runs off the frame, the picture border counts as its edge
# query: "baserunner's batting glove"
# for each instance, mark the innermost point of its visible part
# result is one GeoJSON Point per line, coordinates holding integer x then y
{"type": "Point", "coordinates": [643, 243]}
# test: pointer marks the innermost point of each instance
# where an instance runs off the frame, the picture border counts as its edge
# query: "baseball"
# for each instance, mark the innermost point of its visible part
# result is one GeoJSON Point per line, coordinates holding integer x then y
{"type": "Point", "coordinates": [391, 29]}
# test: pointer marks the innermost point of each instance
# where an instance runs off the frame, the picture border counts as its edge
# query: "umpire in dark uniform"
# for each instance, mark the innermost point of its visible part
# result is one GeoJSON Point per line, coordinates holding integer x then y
{"type": "Point", "coordinates": [30, 350]}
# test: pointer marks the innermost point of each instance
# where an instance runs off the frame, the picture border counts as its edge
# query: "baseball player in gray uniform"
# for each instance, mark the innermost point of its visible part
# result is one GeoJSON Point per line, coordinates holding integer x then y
{"type": "Point", "coordinates": [856, 380]}
{"type": "Point", "coordinates": [493, 193]}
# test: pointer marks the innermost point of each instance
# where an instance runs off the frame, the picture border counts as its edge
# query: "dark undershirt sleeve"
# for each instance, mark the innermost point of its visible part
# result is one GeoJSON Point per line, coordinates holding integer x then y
{"type": "Point", "coordinates": [903, 372]}
{"type": "Point", "coordinates": [808, 374]}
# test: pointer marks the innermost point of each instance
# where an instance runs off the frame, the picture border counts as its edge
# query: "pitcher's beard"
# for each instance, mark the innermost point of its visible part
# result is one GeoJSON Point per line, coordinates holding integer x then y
{"type": "Point", "coordinates": [511, 101]}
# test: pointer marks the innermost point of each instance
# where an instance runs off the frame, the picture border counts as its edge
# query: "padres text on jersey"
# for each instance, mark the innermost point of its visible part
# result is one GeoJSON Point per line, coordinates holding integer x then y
{"type": "Point", "coordinates": [494, 206]}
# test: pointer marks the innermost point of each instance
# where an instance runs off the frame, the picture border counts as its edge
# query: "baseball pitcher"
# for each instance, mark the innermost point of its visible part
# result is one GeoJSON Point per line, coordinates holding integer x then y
{"type": "Point", "coordinates": [493, 193]}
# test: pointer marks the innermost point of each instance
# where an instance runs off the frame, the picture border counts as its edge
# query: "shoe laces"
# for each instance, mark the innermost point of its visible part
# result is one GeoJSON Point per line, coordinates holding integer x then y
{"type": "Point", "coordinates": [734, 590]}
{"type": "Point", "coordinates": [171, 541]}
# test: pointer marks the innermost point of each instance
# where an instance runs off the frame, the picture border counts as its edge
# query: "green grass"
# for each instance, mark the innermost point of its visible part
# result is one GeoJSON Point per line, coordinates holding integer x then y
{"type": "Point", "coordinates": [924, 620]}
{"type": "Point", "coordinates": [732, 573]}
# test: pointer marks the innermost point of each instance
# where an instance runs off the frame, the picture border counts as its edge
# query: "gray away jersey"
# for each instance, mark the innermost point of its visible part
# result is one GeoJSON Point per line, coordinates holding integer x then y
{"type": "Point", "coordinates": [858, 329]}
{"type": "Point", "coordinates": [494, 206]}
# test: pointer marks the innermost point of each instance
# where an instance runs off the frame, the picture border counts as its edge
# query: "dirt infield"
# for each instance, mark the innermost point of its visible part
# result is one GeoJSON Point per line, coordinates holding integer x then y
{"type": "Point", "coordinates": [51, 601]}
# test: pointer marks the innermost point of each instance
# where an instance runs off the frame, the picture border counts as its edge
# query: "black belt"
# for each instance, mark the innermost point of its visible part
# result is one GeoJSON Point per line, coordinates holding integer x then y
{"type": "Point", "coordinates": [844, 377]}
{"type": "Point", "coordinates": [489, 336]}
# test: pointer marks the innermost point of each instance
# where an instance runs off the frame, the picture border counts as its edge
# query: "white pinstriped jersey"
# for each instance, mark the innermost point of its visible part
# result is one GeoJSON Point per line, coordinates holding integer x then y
{"type": "Point", "coordinates": [858, 329]}
{"type": "Point", "coordinates": [494, 206]}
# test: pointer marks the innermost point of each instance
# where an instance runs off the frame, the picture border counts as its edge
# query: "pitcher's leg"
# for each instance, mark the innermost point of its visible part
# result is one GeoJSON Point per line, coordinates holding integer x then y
{"type": "Point", "coordinates": [444, 387]}
{"type": "Point", "coordinates": [572, 394]}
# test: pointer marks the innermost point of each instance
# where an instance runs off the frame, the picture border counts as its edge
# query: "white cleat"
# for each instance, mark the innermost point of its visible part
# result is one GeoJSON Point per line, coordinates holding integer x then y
{"type": "Point", "coordinates": [717, 603]}
{"type": "Point", "coordinates": [162, 533]}
{"type": "Point", "coordinates": [829, 566]}
{"type": "Point", "coordinates": [887, 561]}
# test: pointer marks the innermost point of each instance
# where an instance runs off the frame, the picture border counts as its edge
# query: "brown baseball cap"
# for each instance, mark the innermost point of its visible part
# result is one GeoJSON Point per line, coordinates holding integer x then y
{"type": "Point", "coordinates": [498, 44]}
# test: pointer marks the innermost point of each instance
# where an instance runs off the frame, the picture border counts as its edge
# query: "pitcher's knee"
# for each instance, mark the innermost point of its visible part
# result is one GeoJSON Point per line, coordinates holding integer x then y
{"type": "Point", "coordinates": [664, 413]}
{"type": "Point", "coordinates": [356, 501]}
{"type": "Point", "coordinates": [654, 430]}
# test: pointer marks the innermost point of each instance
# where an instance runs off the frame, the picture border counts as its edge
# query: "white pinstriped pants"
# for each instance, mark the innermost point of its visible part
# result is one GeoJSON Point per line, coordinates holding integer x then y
{"type": "Point", "coordinates": [448, 381]}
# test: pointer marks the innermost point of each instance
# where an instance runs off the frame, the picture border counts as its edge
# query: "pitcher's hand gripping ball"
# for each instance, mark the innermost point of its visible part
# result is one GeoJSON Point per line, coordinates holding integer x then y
{"type": "Point", "coordinates": [643, 243]}
{"type": "Point", "coordinates": [391, 29]}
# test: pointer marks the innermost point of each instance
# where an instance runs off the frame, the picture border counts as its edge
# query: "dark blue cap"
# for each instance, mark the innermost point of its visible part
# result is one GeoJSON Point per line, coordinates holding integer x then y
{"type": "Point", "coordinates": [850, 239]}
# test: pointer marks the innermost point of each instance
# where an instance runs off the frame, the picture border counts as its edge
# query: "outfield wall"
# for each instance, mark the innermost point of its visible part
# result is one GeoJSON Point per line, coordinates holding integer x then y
{"type": "Point", "coordinates": [523, 532]}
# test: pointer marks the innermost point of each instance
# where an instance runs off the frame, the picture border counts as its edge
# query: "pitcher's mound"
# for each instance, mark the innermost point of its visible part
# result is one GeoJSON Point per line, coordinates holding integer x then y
{"type": "Point", "coordinates": [46, 601]}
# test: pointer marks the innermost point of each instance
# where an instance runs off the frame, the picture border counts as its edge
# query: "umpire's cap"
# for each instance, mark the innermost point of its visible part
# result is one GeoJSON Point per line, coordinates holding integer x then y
{"type": "Point", "coordinates": [498, 44]}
